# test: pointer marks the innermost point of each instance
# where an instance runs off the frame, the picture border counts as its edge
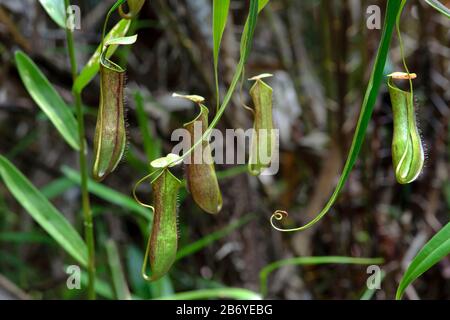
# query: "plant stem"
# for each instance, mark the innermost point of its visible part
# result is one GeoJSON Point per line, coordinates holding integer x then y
{"type": "Point", "coordinates": [87, 213]}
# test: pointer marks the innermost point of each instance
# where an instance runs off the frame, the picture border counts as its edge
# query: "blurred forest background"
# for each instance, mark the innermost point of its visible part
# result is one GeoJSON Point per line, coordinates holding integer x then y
{"type": "Point", "coordinates": [321, 53]}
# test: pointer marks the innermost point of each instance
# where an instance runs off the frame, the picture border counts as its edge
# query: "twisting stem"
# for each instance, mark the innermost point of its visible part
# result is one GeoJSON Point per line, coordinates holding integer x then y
{"type": "Point", "coordinates": [87, 213]}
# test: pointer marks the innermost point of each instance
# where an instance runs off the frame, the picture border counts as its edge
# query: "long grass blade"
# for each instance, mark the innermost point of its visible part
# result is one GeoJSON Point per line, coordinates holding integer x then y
{"type": "Point", "coordinates": [220, 16]}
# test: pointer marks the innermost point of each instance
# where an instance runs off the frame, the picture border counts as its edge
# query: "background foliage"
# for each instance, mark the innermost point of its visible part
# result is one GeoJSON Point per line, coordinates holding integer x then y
{"type": "Point", "coordinates": [321, 54]}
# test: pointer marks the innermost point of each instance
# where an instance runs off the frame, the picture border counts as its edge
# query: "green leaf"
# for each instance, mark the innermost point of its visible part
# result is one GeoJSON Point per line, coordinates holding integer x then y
{"type": "Point", "coordinates": [219, 293]}
{"type": "Point", "coordinates": [152, 145]}
{"type": "Point", "coordinates": [220, 15]}
{"type": "Point", "coordinates": [43, 212]}
{"type": "Point", "coordinates": [91, 68]}
{"type": "Point", "coordinates": [26, 237]}
{"type": "Point", "coordinates": [121, 40]}
{"type": "Point", "coordinates": [264, 273]}
{"type": "Point", "coordinates": [439, 7]}
{"type": "Point", "coordinates": [108, 194]}
{"type": "Point", "coordinates": [170, 160]}
{"type": "Point", "coordinates": [249, 30]}
{"type": "Point", "coordinates": [57, 187]}
{"type": "Point", "coordinates": [249, 27]}
{"type": "Point", "coordinates": [48, 99]}
{"type": "Point", "coordinates": [394, 7]}
{"type": "Point", "coordinates": [119, 282]}
{"type": "Point", "coordinates": [55, 9]}
{"type": "Point", "coordinates": [214, 236]}
{"type": "Point", "coordinates": [431, 253]}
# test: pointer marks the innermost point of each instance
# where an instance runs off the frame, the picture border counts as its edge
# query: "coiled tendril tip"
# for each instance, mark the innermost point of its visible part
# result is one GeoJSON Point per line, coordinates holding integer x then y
{"type": "Point", "coordinates": [278, 215]}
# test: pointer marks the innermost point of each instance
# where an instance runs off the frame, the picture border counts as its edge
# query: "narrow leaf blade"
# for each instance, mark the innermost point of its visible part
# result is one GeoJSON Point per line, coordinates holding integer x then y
{"type": "Point", "coordinates": [48, 99]}
{"type": "Point", "coordinates": [432, 252]}
{"type": "Point", "coordinates": [118, 277]}
{"type": "Point", "coordinates": [439, 7]}
{"type": "Point", "coordinates": [43, 212]}
{"type": "Point", "coordinates": [121, 40]}
{"type": "Point", "coordinates": [55, 9]}
{"type": "Point", "coordinates": [108, 194]}
{"type": "Point", "coordinates": [220, 16]}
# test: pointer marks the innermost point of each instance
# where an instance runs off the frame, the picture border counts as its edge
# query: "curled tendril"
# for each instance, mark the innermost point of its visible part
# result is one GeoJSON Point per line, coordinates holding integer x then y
{"type": "Point", "coordinates": [137, 184]}
{"type": "Point", "coordinates": [278, 215]}
{"type": "Point", "coordinates": [281, 214]}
